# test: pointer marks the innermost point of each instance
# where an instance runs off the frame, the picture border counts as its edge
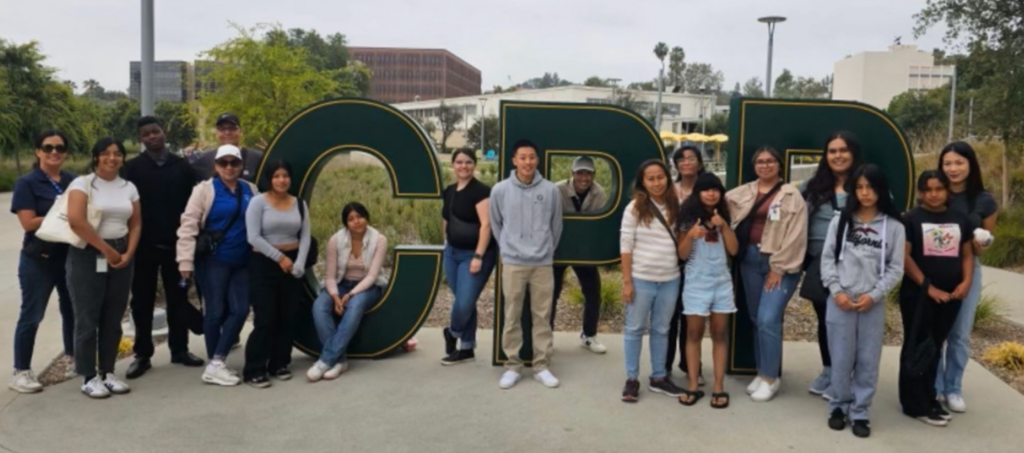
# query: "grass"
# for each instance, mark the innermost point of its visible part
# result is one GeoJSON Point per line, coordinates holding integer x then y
{"type": "Point", "coordinates": [1007, 250]}
{"type": "Point", "coordinates": [990, 309]}
{"type": "Point", "coordinates": [611, 292]}
{"type": "Point", "coordinates": [1007, 355]}
{"type": "Point", "coordinates": [76, 163]}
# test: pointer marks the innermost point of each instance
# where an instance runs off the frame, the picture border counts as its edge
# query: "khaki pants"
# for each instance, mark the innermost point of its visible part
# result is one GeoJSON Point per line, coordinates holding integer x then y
{"type": "Point", "coordinates": [515, 282]}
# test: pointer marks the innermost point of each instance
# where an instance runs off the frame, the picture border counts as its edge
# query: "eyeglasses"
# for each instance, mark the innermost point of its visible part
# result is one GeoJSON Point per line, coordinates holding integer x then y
{"type": "Point", "coordinates": [689, 160]}
{"type": "Point", "coordinates": [765, 162]}
{"type": "Point", "coordinates": [51, 148]}
{"type": "Point", "coordinates": [229, 163]}
{"type": "Point", "coordinates": [227, 128]}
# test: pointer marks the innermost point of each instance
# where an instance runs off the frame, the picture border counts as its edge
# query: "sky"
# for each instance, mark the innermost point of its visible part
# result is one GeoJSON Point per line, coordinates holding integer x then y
{"type": "Point", "coordinates": [509, 41]}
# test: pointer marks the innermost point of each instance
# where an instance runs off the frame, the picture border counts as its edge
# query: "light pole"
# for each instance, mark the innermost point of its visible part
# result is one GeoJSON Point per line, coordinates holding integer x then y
{"type": "Point", "coordinates": [952, 106]}
{"type": "Point", "coordinates": [483, 123]}
{"type": "Point", "coordinates": [147, 92]}
{"type": "Point", "coordinates": [771, 21]}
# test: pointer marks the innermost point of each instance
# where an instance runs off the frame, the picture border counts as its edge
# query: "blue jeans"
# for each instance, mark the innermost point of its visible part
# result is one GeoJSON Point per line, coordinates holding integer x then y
{"type": "Point", "coordinates": [38, 278]}
{"type": "Point", "coordinates": [958, 351]}
{"type": "Point", "coordinates": [334, 334]}
{"type": "Point", "coordinates": [653, 305]}
{"type": "Point", "coordinates": [466, 287]}
{"type": "Point", "coordinates": [226, 290]}
{"type": "Point", "coordinates": [766, 309]}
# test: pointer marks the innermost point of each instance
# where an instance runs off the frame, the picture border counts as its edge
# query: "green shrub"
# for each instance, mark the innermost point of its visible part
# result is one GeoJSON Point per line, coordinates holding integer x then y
{"type": "Point", "coordinates": [611, 294]}
{"type": "Point", "coordinates": [1008, 248]}
{"type": "Point", "coordinates": [990, 309]}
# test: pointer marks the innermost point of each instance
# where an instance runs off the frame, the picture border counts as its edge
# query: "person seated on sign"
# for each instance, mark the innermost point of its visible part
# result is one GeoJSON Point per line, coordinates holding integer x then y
{"type": "Point", "coordinates": [277, 225]}
{"type": "Point", "coordinates": [216, 211]}
{"type": "Point", "coordinates": [353, 283]}
{"type": "Point", "coordinates": [770, 221]}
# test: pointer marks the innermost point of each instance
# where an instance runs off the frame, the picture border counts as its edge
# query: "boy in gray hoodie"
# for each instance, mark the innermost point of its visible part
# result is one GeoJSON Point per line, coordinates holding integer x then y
{"type": "Point", "coordinates": [526, 219]}
{"type": "Point", "coordinates": [861, 262]}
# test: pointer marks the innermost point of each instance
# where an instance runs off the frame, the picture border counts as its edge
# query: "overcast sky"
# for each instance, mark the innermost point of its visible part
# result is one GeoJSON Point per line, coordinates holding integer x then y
{"type": "Point", "coordinates": [506, 40]}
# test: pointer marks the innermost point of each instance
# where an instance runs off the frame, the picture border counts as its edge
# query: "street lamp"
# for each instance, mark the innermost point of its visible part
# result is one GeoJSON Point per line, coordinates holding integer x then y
{"type": "Point", "coordinates": [483, 122]}
{"type": "Point", "coordinates": [771, 21]}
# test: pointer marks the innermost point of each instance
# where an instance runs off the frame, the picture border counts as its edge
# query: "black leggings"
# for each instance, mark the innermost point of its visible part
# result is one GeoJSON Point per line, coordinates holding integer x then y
{"type": "Point", "coordinates": [274, 297]}
{"type": "Point", "coordinates": [819, 310]}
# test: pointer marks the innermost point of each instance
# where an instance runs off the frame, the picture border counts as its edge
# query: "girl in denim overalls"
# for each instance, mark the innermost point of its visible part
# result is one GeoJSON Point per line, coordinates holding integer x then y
{"type": "Point", "coordinates": [705, 242]}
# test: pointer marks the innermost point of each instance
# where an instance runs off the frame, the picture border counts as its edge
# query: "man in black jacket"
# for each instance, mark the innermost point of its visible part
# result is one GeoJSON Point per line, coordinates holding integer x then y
{"type": "Point", "coordinates": [229, 132]}
{"type": "Point", "coordinates": [164, 182]}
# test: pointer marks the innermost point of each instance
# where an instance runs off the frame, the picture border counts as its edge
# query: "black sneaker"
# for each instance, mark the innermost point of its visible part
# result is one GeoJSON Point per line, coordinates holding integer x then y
{"type": "Point", "coordinates": [449, 341]}
{"type": "Point", "coordinates": [861, 428]}
{"type": "Point", "coordinates": [282, 374]}
{"type": "Point", "coordinates": [631, 392]}
{"type": "Point", "coordinates": [260, 382]}
{"type": "Point", "coordinates": [665, 387]}
{"type": "Point", "coordinates": [837, 421]}
{"type": "Point", "coordinates": [942, 412]}
{"type": "Point", "coordinates": [934, 419]}
{"type": "Point", "coordinates": [457, 357]}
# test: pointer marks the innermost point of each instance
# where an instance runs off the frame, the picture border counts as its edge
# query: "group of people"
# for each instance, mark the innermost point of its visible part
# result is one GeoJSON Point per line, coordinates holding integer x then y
{"type": "Point", "coordinates": [681, 241]}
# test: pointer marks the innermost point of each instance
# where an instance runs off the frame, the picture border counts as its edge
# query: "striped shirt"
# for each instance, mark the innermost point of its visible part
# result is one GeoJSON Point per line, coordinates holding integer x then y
{"type": "Point", "coordinates": [655, 258]}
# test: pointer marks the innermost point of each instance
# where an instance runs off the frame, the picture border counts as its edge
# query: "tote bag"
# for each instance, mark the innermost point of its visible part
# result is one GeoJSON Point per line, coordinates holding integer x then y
{"type": "Point", "coordinates": [55, 227]}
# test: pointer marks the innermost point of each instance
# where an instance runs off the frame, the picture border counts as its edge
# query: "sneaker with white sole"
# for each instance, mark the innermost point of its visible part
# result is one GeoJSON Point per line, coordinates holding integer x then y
{"type": "Point", "coordinates": [115, 385]}
{"type": "Point", "coordinates": [934, 419]}
{"type": "Point", "coordinates": [956, 403]}
{"type": "Point", "coordinates": [336, 371]}
{"type": "Point", "coordinates": [94, 388]}
{"type": "Point", "coordinates": [545, 377]}
{"type": "Point", "coordinates": [509, 379]}
{"type": "Point", "coordinates": [219, 374]}
{"type": "Point", "coordinates": [754, 385]}
{"type": "Point", "coordinates": [316, 372]}
{"type": "Point", "coordinates": [822, 383]}
{"type": "Point", "coordinates": [592, 344]}
{"type": "Point", "coordinates": [24, 381]}
{"type": "Point", "coordinates": [765, 392]}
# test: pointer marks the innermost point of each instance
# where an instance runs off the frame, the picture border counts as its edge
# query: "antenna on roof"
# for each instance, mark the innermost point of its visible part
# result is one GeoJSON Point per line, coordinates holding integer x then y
{"type": "Point", "coordinates": [898, 40]}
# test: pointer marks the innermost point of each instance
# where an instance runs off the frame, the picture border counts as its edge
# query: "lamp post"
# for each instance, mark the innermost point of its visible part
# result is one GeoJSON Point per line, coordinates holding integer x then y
{"type": "Point", "coordinates": [483, 123]}
{"type": "Point", "coordinates": [147, 65]}
{"type": "Point", "coordinates": [771, 21]}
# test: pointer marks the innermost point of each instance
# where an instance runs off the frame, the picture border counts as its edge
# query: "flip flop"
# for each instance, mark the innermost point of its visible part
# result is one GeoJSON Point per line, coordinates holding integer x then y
{"type": "Point", "coordinates": [719, 396]}
{"type": "Point", "coordinates": [693, 396]}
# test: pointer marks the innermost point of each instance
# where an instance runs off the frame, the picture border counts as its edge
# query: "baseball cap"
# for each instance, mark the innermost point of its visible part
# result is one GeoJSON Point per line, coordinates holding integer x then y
{"type": "Point", "coordinates": [583, 163]}
{"type": "Point", "coordinates": [228, 151]}
{"type": "Point", "coordinates": [228, 118]}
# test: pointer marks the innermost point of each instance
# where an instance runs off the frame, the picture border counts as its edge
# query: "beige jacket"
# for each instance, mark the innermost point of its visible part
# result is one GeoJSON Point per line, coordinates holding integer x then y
{"type": "Point", "coordinates": [193, 220]}
{"type": "Point", "coordinates": [784, 239]}
{"type": "Point", "coordinates": [594, 202]}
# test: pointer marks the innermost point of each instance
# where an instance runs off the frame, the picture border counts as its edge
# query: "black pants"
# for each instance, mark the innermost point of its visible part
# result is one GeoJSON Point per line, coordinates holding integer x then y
{"type": "Point", "coordinates": [917, 393]}
{"type": "Point", "coordinates": [273, 295]}
{"type": "Point", "coordinates": [100, 300]}
{"type": "Point", "coordinates": [181, 315]}
{"type": "Point", "coordinates": [590, 282]}
{"type": "Point", "coordinates": [819, 310]}
{"type": "Point", "coordinates": [677, 334]}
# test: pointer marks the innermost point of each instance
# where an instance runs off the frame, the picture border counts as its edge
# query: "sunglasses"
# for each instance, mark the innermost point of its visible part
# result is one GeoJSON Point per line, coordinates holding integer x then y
{"type": "Point", "coordinates": [51, 148]}
{"type": "Point", "coordinates": [229, 163]}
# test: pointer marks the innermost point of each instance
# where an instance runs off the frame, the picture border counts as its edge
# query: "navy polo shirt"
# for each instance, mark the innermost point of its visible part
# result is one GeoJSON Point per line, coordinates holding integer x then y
{"type": "Point", "coordinates": [37, 192]}
{"type": "Point", "coordinates": [235, 249]}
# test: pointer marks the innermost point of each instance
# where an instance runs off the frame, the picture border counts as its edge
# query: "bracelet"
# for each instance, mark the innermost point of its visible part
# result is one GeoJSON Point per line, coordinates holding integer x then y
{"type": "Point", "coordinates": [478, 256]}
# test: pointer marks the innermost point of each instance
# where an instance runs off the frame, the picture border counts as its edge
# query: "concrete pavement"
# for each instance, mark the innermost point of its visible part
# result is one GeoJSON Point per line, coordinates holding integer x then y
{"type": "Point", "coordinates": [1008, 286]}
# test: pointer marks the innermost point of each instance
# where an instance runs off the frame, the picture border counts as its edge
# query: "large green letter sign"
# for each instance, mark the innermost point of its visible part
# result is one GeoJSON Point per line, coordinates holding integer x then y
{"type": "Point", "coordinates": [800, 128]}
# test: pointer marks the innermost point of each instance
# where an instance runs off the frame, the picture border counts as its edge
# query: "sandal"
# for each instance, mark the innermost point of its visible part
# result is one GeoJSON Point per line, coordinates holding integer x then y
{"type": "Point", "coordinates": [692, 396]}
{"type": "Point", "coordinates": [719, 397]}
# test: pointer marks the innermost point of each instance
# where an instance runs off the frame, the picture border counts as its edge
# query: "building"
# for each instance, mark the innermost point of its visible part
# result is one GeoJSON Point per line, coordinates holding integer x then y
{"type": "Point", "coordinates": [877, 77]}
{"type": "Point", "coordinates": [404, 75]}
{"type": "Point", "coordinates": [681, 112]}
{"type": "Point", "coordinates": [171, 80]}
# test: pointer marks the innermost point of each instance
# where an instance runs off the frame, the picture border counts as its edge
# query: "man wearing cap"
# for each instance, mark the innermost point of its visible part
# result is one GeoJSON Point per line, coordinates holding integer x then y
{"type": "Point", "coordinates": [229, 132]}
{"type": "Point", "coordinates": [581, 195]}
{"type": "Point", "coordinates": [164, 182]}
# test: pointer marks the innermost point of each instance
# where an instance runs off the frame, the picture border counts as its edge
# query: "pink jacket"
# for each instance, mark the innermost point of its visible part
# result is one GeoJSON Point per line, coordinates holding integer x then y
{"type": "Point", "coordinates": [193, 219]}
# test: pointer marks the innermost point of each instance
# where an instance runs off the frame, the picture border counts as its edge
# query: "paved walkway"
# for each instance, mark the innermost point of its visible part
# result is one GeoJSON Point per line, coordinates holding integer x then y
{"type": "Point", "coordinates": [1009, 288]}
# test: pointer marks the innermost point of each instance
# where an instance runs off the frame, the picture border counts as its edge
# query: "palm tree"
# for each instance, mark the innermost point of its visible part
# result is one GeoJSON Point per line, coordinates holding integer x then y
{"type": "Point", "coordinates": [660, 51]}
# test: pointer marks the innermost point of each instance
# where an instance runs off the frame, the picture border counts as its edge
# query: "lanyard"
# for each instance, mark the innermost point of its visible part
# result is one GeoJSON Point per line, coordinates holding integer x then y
{"type": "Point", "coordinates": [55, 186]}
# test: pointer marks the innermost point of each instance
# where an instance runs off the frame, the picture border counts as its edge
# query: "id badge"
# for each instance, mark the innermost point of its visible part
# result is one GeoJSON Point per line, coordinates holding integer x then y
{"type": "Point", "coordinates": [101, 265]}
{"type": "Point", "coordinates": [773, 213]}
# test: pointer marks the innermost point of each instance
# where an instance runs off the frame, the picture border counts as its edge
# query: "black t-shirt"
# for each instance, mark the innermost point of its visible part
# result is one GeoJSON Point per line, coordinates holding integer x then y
{"type": "Point", "coordinates": [984, 206]}
{"type": "Point", "coordinates": [936, 240]}
{"type": "Point", "coordinates": [463, 204]}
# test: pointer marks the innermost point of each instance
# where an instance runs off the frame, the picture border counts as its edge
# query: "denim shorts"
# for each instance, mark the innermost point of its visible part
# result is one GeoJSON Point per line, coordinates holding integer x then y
{"type": "Point", "coordinates": [703, 300]}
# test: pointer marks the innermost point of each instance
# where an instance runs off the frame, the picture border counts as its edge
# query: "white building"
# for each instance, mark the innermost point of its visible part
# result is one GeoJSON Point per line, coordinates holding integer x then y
{"type": "Point", "coordinates": [877, 77]}
{"type": "Point", "coordinates": [681, 112]}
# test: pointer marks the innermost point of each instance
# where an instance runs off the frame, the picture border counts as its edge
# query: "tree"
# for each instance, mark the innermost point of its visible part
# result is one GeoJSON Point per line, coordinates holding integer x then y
{"type": "Point", "coordinates": [702, 78]}
{"type": "Point", "coordinates": [753, 88]}
{"type": "Point", "coordinates": [628, 99]}
{"type": "Point", "coordinates": [330, 54]}
{"type": "Point", "coordinates": [644, 86]}
{"type": "Point", "coordinates": [548, 80]}
{"type": "Point", "coordinates": [121, 119]}
{"type": "Point", "coordinates": [676, 65]}
{"type": "Point", "coordinates": [785, 86]}
{"type": "Point", "coordinates": [264, 82]}
{"type": "Point", "coordinates": [448, 119]}
{"type": "Point", "coordinates": [920, 114]}
{"type": "Point", "coordinates": [492, 134]}
{"type": "Point", "coordinates": [179, 124]}
{"type": "Point", "coordinates": [595, 81]}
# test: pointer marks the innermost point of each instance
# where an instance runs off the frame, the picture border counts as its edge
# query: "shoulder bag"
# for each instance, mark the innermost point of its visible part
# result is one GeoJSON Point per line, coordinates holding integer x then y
{"type": "Point", "coordinates": [208, 239]}
{"type": "Point", "coordinates": [55, 227]}
{"type": "Point", "coordinates": [743, 229]}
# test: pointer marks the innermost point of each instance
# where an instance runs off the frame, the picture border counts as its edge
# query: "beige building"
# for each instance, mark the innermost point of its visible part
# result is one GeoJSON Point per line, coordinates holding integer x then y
{"type": "Point", "coordinates": [876, 77]}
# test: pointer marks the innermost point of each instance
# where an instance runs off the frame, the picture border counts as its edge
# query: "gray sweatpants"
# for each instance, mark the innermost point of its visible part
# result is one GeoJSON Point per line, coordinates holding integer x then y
{"type": "Point", "coordinates": [855, 341]}
{"type": "Point", "coordinates": [100, 301]}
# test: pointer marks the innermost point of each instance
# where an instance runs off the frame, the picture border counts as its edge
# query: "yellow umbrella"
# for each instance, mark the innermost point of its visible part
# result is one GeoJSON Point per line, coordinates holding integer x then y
{"type": "Point", "coordinates": [719, 138]}
{"type": "Point", "coordinates": [696, 137]}
{"type": "Point", "coordinates": [669, 136]}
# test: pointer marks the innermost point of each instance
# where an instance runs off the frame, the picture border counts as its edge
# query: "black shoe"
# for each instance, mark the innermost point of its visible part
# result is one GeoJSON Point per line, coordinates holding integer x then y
{"type": "Point", "coordinates": [138, 368]}
{"type": "Point", "coordinates": [460, 356]}
{"type": "Point", "coordinates": [861, 428]}
{"type": "Point", "coordinates": [260, 382]}
{"type": "Point", "coordinates": [282, 374]}
{"type": "Point", "coordinates": [665, 387]}
{"type": "Point", "coordinates": [631, 392]}
{"type": "Point", "coordinates": [837, 421]}
{"type": "Point", "coordinates": [934, 419]}
{"type": "Point", "coordinates": [449, 341]}
{"type": "Point", "coordinates": [941, 412]}
{"type": "Point", "coordinates": [187, 359]}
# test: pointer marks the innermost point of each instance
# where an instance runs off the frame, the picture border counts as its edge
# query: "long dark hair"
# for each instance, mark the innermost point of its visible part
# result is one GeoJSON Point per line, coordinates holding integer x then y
{"type": "Point", "coordinates": [975, 185]}
{"type": "Point", "coordinates": [45, 135]}
{"type": "Point", "coordinates": [876, 178]}
{"type": "Point", "coordinates": [272, 167]}
{"type": "Point", "coordinates": [644, 210]}
{"type": "Point", "coordinates": [821, 186]}
{"type": "Point", "coordinates": [693, 210]}
{"type": "Point", "coordinates": [678, 157]}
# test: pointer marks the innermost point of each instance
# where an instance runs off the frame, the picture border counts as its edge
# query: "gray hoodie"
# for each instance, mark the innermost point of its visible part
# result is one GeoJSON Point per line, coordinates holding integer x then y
{"type": "Point", "coordinates": [870, 260]}
{"type": "Point", "coordinates": [526, 220]}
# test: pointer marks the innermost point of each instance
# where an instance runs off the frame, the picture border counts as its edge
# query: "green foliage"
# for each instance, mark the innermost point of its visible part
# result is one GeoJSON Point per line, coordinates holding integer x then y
{"type": "Point", "coordinates": [328, 53]}
{"type": "Point", "coordinates": [788, 86]}
{"type": "Point", "coordinates": [1008, 248]}
{"type": "Point", "coordinates": [548, 80]}
{"type": "Point", "coordinates": [718, 123]}
{"type": "Point", "coordinates": [676, 65]}
{"type": "Point", "coordinates": [920, 113]}
{"type": "Point", "coordinates": [753, 88]}
{"type": "Point", "coordinates": [561, 169]}
{"type": "Point", "coordinates": [611, 293]}
{"type": "Point", "coordinates": [448, 118]}
{"type": "Point", "coordinates": [492, 134]}
{"type": "Point", "coordinates": [990, 309]}
{"type": "Point", "coordinates": [701, 78]}
{"type": "Point", "coordinates": [660, 51]}
{"type": "Point", "coordinates": [179, 123]}
{"type": "Point", "coordinates": [595, 81]}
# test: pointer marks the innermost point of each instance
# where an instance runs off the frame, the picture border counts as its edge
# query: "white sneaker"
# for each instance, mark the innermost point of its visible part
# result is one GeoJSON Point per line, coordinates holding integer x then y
{"type": "Point", "coordinates": [115, 385]}
{"type": "Point", "coordinates": [545, 377]}
{"type": "Point", "coordinates": [25, 382]}
{"type": "Point", "coordinates": [956, 403]}
{"type": "Point", "coordinates": [765, 392]}
{"type": "Point", "coordinates": [316, 372]}
{"type": "Point", "coordinates": [95, 388]}
{"type": "Point", "coordinates": [754, 385]}
{"type": "Point", "coordinates": [218, 373]}
{"type": "Point", "coordinates": [336, 371]}
{"type": "Point", "coordinates": [593, 345]}
{"type": "Point", "coordinates": [509, 379]}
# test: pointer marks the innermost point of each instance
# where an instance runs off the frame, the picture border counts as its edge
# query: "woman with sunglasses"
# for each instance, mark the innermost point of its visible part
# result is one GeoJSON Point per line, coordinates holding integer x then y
{"type": "Point", "coordinates": [40, 264]}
